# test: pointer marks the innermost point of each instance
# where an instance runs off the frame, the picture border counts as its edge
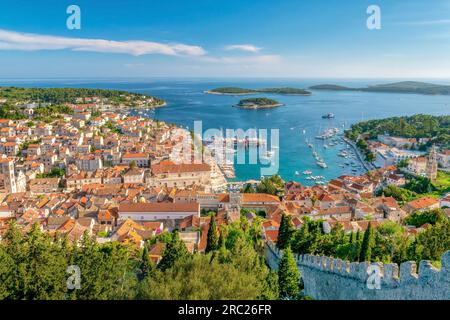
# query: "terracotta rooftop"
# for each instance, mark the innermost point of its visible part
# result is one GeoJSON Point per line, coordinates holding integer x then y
{"type": "Point", "coordinates": [179, 168]}
{"type": "Point", "coordinates": [423, 203]}
{"type": "Point", "coordinates": [259, 197]}
{"type": "Point", "coordinates": [159, 207]}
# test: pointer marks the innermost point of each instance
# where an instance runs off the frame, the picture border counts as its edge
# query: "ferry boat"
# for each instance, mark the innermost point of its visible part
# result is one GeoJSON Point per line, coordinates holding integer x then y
{"type": "Point", "coordinates": [327, 134]}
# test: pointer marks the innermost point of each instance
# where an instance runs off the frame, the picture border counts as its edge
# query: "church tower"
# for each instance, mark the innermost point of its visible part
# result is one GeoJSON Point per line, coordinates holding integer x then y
{"type": "Point", "coordinates": [432, 166]}
{"type": "Point", "coordinates": [7, 172]}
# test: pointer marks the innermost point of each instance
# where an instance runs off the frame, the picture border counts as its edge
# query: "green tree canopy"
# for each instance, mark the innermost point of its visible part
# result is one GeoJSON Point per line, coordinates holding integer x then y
{"type": "Point", "coordinates": [285, 232]}
{"type": "Point", "coordinates": [288, 276]}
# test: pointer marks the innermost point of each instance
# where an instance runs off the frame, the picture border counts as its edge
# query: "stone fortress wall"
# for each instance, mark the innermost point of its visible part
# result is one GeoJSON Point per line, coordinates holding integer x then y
{"type": "Point", "coordinates": [326, 278]}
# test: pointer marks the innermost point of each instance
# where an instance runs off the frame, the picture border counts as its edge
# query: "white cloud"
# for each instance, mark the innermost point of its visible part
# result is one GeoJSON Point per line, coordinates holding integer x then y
{"type": "Point", "coordinates": [243, 47]}
{"type": "Point", "coordinates": [11, 40]}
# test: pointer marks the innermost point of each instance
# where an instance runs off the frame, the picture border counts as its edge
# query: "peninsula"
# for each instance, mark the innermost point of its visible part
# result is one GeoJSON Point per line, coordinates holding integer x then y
{"type": "Point", "coordinates": [396, 87]}
{"type": "Point", "coordinates": [235, 91]}
{"type": "Point", "coordinates": [258, 103]}
{"type": "Point", "coordinates": [104, 98]}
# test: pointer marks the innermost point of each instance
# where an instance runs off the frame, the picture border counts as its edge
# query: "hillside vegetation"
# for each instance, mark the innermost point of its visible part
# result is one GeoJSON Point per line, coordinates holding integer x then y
{"type": "Point", "coordinates": [396, 87]}
{"type": "Point", "coordinates": [437, 128]}
{"type": "Point", "coordinates": [242, 91]}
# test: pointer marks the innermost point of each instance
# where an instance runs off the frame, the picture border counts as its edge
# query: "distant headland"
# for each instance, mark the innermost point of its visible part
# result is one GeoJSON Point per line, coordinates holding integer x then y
{"type": "Point", "coordinates": [396, 87]}
{"type": "Point", "coordinates": [258, 103]}
{"type": "Point", "coordinates": [236, 91]}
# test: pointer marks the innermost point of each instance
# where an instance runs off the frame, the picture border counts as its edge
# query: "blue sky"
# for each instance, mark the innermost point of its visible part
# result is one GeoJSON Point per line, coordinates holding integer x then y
{"type": "Point", "coordinates": [217, 38]}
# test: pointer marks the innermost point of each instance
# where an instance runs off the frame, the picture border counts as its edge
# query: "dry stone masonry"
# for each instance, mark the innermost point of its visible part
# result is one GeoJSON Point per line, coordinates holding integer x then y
{"type": "Point", "coordinates": [327, 278]}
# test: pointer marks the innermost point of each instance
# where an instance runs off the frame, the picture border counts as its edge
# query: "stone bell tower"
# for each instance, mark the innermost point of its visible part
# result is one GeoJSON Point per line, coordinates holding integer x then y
{"type": "Point", "coordinates": [432, 165]}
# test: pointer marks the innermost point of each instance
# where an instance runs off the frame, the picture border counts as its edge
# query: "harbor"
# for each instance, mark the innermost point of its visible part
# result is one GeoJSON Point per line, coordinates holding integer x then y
{"type": "Point", "coordinates": [300, 118]}
{"type": "Point", "coordinates": [364, 163]}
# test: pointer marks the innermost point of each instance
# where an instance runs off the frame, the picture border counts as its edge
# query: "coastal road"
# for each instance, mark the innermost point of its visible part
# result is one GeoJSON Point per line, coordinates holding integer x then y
{"type": "Point", "coordinates": [365, 164]}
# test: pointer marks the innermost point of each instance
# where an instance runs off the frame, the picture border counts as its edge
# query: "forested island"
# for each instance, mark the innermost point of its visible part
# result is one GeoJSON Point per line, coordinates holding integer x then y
{"type": "Point", "coordinates": [435, 128]}
{"type": "Point", "coordinates": [258, 103]}
{"type": "Point", "coordinates": [243, 91]}
{"type": "Point", "coordinates": [396, 87]}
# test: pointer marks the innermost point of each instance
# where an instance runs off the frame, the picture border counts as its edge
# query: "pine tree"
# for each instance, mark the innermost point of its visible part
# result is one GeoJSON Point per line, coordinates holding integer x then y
{"type": "Point", "coordinates": [146, 263]}
{"type": "Point", "coordinates": [300, 240]}
{"type": "Point", "coordinates": [222, 238]}
{"type": "Point", "coordinates": [46, 267]}
{"type": "Point", "coordinates": [367, 244]}
{"type": "Point", "coordinates": [175, 250]}
{"type": "Point", "coordinates": [16, 252]}
{"type": "Point", "coordinates": [352, 237]}
{"type": "Point", "coordinates": [288, 276]}
{"type": "Point", "coordinates": [6, 265]}
{"type": "Point", "coordinates": [212, 243]}
{"type": "Point", "coordinates": [285, 232]}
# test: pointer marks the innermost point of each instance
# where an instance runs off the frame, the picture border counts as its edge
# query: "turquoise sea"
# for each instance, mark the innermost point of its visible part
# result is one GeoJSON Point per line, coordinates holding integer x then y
{"type": "Point", "coordinates": [187, 103]}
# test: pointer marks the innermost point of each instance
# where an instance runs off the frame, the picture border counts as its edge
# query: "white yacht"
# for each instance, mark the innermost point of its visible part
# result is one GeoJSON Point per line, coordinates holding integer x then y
{"type": "Point", "coordinates": [322, 164]}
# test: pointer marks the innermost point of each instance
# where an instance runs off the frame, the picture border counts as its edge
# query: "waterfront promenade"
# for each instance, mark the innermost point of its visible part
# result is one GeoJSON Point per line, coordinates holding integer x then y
{"type": "Point", "coordinates": [366, 165]}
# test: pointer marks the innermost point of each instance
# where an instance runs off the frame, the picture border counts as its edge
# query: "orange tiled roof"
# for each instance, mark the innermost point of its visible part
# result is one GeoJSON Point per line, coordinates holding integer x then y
{"type": "Point", "coordinates": [259, 197]}
{"type": "Point", "coordinates": [178, 168]}
{"type": "Point", "coordinates": [159, 207]}
{"type": "Point", "coordinates": [423, 203]}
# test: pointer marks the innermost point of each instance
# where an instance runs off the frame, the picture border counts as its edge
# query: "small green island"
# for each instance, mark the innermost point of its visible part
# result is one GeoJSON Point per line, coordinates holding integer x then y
{"type": "Point", "coordinates": [235, 91]}
{"type": "Point", "coordinates": [258, 103]}
{"type": "Point", "coordinates": [396, 87]}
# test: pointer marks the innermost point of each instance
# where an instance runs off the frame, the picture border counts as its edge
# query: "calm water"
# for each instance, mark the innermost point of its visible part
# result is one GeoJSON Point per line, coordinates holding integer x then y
{"type": "Point", "coordinates": [187, 103]}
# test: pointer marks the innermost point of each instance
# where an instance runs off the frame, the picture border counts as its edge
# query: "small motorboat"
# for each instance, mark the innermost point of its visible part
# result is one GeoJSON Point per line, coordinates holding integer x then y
{"type": "Point", "coordinates": [329, 115]}
{"type": "Point", "coordinates": [321, 164]}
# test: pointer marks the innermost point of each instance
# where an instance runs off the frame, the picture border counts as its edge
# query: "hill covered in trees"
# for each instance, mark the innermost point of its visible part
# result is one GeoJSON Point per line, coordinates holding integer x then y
{"type": "Point", "coordinates": [396, 87]}
{"type": "Point", "coordinates": [70, 95]}
{"type": "Point", "coordinates": [243, 91]}
{"type": "Point", "coordinates": [258, 103]}
{"type": "Point", "coordinates": [437, 128]}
